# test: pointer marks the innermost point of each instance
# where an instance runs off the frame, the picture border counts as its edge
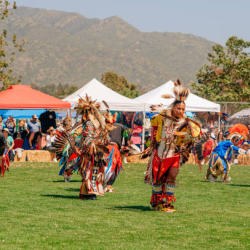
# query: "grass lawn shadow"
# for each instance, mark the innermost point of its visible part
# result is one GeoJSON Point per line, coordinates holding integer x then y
{"type": "Point", "coordinates": [61, 196]}
{"type": "Point", "coordinates": [70, 181]}
{"type": "Point", "coordinates": [129, 208]}
{"type": "Point", "coordinates": [72, 189]}
{"type": "Point", "coordinates": [239, 185]}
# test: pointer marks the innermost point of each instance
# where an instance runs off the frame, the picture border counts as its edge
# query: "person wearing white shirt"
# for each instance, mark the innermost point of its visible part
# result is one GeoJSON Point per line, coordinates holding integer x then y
{"type": "Point", "coordinates": [50, 138]}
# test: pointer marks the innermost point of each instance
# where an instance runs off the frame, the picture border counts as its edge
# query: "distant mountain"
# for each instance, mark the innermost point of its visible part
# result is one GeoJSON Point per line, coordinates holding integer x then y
{"type": "Point", "coordinates": [70, 48]}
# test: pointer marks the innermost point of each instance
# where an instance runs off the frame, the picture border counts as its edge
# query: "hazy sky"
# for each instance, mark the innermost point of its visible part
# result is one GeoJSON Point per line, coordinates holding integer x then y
{"type": "Point", "coordinates": [215, 20]}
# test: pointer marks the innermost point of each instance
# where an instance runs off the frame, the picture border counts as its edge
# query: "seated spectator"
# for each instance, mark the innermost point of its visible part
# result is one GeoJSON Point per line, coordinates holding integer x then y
{"type": "Point", "coordinates": [246, 147]}
{"type": "Point", "coordinates": [50, 137]}
{"type": "Point", "coordinates": [9, 143]}
{"type": "Point", "coordinates": [10, 125]}
{"type": "Point", "coordinates": [34, 143]}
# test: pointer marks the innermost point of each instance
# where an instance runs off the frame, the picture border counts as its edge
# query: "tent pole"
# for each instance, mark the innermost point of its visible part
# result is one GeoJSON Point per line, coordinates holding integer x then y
{"type": "Point", "coordinates": [219, 123]}
{"type": "Point", "coordinates": [143, 128]}
{"type": "Point", "coordinates": [70, 118]}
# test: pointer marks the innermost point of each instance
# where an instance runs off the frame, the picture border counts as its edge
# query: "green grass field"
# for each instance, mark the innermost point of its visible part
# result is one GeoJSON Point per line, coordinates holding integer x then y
{"type": "Point", "coordinates": [38, 210]}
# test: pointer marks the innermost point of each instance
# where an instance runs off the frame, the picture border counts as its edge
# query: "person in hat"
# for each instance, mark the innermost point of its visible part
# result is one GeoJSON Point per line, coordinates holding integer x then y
{"type": "Point", "coordinates": [246, 147]}
{"type": "Point", "coordinates": [33, 127]}
{"type": "Point", "coordinates": [219, 164]}
{"type": "Point", "coordinates": [9, 143]}
{"type": "Point", "coordinates": [173, 134]}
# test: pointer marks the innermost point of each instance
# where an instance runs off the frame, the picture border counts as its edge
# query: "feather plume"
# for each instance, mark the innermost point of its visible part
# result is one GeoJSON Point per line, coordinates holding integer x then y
{"type": "Point", "coordinates": [106, 105]}
{"type": "Point", "coordinates": [181, 93]}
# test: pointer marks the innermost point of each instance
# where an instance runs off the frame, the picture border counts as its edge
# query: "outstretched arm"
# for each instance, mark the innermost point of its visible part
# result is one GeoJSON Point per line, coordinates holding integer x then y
{"type": "Point", "coordinates": [239, 150]}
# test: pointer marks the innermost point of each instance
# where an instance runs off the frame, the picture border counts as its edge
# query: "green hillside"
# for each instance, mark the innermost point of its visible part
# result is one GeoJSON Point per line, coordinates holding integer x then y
{"type": "Point", "coordinates": [70, 48]}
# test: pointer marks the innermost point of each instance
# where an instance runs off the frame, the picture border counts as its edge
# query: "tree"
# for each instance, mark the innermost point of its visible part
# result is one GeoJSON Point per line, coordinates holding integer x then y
{"type": "Point", "coordinates": [227, 77]}
{"type": "Point", "coordinates": [6, 58]}
{"type": "Point", "coordinates": [119, 84]}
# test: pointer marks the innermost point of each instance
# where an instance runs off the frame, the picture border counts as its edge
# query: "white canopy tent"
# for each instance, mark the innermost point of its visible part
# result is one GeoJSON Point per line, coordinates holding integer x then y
{"type": "Point", "coordinates": [100, 92]}
{"type": "Point", "coordinates": [194, 103]}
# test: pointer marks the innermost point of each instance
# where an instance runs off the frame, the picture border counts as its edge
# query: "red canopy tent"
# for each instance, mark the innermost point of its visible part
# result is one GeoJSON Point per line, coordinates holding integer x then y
{"type": "Point", "coordinates": [24, 97]}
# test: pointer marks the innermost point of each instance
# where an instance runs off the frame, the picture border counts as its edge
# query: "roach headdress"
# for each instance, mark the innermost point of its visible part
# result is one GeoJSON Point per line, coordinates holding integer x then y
{"type": "Point", "coordinates": [181, 93]}
{"type": "Point", "coordinates": [90, 110]}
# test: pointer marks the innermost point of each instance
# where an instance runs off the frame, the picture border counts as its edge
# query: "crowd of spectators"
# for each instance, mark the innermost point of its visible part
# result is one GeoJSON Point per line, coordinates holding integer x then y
{"type": "Point", "coordinates": [27, 134]}
{"type": "Point", "coordinates": [40, 134]}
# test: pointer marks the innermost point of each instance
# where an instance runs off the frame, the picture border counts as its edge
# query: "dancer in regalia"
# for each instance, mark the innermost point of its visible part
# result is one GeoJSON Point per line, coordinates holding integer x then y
{"type": "Point", "coordinates": [88, 154]}
{"type": "Point", "coordinates": [219, 164]}
{"type": "Point", "coordinates": [173, 134]}
{"type": "Point", "coordinates": [114, 159]}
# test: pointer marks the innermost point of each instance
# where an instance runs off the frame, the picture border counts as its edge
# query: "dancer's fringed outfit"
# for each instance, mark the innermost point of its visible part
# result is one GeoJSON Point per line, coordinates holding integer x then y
{"type": "Point", "coordinates": [86, 152]}
{"type": "Point", "coordinates": [173, 134]}
{"type": "Point", "coordinates": [113, 167]}
{"type": "Point", "coordinates": [219, 164]}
